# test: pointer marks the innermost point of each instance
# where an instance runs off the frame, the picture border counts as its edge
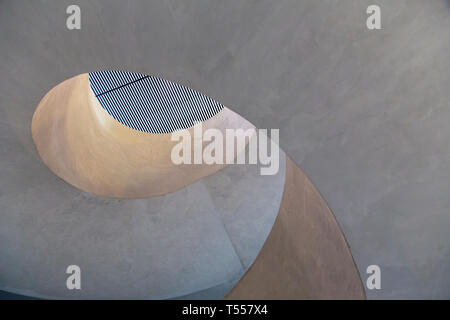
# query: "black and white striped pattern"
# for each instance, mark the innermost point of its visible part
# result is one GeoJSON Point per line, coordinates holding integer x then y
{"type": "Point", "coordinates": [150, 104]}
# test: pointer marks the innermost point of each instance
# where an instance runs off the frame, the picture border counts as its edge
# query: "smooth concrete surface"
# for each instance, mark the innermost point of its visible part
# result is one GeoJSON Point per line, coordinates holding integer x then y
{"type": "Point", "coordinates": [364, 113]}
{"type": "Point", "coordinates": [183, 243]}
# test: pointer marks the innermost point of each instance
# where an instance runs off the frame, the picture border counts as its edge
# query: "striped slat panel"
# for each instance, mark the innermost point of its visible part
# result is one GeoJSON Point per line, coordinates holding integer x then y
{"type": "Point", "coordinates": [104, 81]}
{"type": "Point", "coordinates": [150, 104]}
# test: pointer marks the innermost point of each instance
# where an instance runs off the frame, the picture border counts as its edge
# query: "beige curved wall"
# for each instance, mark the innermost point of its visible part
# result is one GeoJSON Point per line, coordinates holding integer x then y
{"type": "Point", "coordinates": [82, 144]}
{"type": "Point", "coordinates": [305, 255]}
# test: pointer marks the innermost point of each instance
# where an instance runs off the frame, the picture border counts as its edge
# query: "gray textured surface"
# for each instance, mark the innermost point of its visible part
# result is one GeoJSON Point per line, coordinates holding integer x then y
{"type": "Point", "coordinates": [364, 113]}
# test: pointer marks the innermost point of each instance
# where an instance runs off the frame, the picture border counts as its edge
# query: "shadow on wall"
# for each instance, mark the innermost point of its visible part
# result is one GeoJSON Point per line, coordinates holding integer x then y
{"type": "Point", "coordinates": [11, 296]}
